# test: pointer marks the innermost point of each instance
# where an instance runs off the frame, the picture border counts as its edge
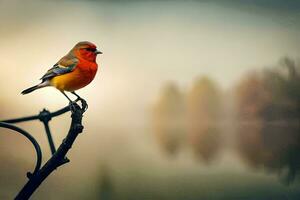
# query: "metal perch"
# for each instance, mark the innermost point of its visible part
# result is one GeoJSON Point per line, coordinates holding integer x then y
{"type": "Point", "coordinates": [58, 158]}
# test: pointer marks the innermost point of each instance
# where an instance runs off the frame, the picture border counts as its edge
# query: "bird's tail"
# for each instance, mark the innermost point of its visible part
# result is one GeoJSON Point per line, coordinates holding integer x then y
{"type": "Point", "coordinates": [31, 89]}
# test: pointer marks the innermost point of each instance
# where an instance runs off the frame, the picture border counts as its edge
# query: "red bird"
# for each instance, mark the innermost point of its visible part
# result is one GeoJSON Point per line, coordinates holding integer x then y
{"type": "Point", "coordinates": [73, 71]}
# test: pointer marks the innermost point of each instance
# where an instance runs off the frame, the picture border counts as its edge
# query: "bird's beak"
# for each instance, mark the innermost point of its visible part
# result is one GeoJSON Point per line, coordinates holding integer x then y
{"type": "Point", "coordinates": [98, 52]}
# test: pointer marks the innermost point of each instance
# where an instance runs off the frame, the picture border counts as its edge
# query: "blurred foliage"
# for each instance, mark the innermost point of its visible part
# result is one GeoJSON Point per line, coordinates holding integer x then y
{"type": "Point", "coordinates": [268, 107]}
{"type": "Point", "coordinates": [168, 118]}
{"type": "Point", "coordinates": [203, 117]}
{"type": "Point", "coordinates": [273, 147]}
{"type": "Point", "coordinates": [192, 117]}
{"type": "Point", "coordinates": [271, 95]}
{"type": "Point", "coordinates": [204, 100]}
{"type": "Point", "coordinates": [205, 141]}
{"type": "Point", "coordinates": [252, 98]}
{"type": "Point", "coordinates": [267, 104]}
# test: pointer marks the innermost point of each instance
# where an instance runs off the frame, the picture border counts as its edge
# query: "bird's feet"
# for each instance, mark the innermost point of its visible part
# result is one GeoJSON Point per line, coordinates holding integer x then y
{"type": "Point", "coordinates": [84, 105]}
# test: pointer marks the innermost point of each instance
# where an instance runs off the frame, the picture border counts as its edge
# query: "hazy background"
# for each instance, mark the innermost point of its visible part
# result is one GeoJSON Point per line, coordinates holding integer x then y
{"type": "Point", "coordinates": [192, 100]}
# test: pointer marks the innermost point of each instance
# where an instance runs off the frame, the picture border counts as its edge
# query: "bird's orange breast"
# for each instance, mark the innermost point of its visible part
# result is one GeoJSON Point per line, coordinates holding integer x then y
{"type": "Point", "coordinates": [80, 77]}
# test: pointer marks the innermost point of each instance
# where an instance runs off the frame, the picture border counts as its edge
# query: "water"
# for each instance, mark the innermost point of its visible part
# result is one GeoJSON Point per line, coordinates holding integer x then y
{"type": "Point", "coordinates": [258, 161]}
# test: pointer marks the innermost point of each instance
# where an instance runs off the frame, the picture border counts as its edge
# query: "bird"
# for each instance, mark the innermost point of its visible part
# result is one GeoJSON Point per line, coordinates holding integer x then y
{"type": "Point", "coordinates": [72, 72]}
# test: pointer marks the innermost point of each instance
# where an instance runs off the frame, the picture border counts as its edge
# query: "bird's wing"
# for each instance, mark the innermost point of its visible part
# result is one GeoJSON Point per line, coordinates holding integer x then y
{"type": "Point", "coordinates": [65, 65]}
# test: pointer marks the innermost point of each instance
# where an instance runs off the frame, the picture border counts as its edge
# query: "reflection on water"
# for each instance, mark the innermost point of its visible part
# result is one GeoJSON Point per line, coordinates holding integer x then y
{"type": "Point", "coordinates": [275, 147]}
{"type": "Point", "coordinates": [203, 118]}
{"type": "Point", "coordinates": [106, 188]}
{"type": "Point", "coordinates": [205, 141]}
{"type": "Point", "coordinates": [168, 119]}
{"type": "Point", "coordinates": [188, 119]}
{"type": "Point", "coordinates": [268, 114]}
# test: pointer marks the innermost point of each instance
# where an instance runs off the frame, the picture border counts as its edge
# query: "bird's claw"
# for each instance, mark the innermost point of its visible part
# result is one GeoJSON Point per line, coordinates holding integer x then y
{"type": "Point", "coordinates": [84, 105]}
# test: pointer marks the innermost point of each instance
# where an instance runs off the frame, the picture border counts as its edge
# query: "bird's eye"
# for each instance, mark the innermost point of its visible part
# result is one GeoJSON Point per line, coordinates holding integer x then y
{"type": "Point", "coordinates": [90, 49]}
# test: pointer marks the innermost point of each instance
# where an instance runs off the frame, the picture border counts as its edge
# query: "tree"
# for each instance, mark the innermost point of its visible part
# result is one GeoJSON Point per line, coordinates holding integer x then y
{"type": "Point", "coordinates": [203, 118]}
{"type": "Point", "coordinates": [252, 97]}
{"type": "Point", "coordinates": [168, 118]}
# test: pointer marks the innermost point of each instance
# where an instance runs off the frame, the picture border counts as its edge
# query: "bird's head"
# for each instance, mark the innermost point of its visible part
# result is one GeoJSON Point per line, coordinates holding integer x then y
{"type": "Point", "coordinates": [86, 50]}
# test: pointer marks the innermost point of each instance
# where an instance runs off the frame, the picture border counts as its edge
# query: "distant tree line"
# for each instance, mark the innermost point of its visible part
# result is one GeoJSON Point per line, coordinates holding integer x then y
{"type": "Point", "coordinates": [181, 118]}
{"type": "Point", "coordinates": [266, 116]}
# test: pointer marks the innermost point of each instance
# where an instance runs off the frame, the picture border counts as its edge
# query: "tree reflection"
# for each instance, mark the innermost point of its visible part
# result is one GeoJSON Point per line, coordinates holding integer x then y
{"type": "Point", "coordinates": [203, 114]}
{"type": "Point", "coordinates": [192, 119]}
{"type": "Point", "coordinates": [268, 108]}
{"type": "Point", "coordinates": [272, 146]}
{"type": "Point", "coordinates": [105, 184]}
{"type": "Point", "coordinates": [168, 118]}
